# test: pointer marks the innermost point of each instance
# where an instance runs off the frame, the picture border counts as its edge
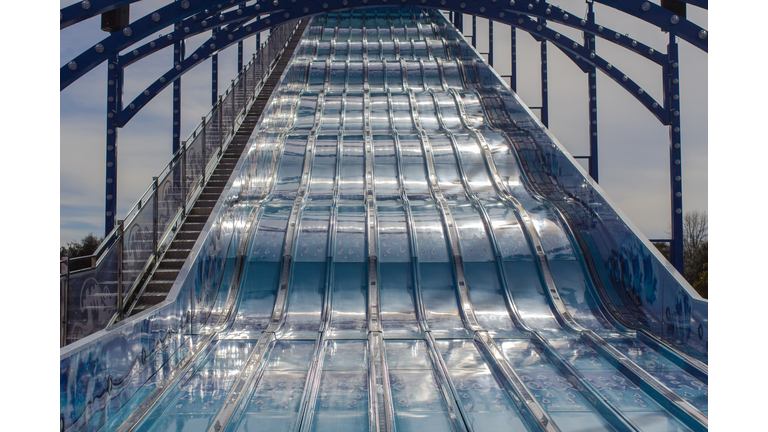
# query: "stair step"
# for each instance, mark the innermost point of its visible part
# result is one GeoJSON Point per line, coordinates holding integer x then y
{"type": "Point", "coordinates": [177, 253]}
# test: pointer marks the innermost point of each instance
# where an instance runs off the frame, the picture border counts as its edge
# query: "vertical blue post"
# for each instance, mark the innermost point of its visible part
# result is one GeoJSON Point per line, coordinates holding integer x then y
{"type": "Point", "coordinates": [592, 90]}
{"type": "Point", "coordinates": [114, 106]}
{"type": "Point", "coordinates": [544, 98]}
{"type": "Point", "coordinates": [675, 154]}
{"type": "Point", "coordinates": [178, 57]}
{"type": "Point", "coordinates": [513, 61]}
{"type": "Point", "coordinates": [474, 31]}
{"type": "Point", "coordinates": [240, 51]}
{"type": "Point", "coordinates": [459, 24]}
{"type": "Point", "coordinates": [239, 56]}
{"type": "Point", "coordinates": [490, 43]}
{"type": "Point", "coordinates": [214, 75]}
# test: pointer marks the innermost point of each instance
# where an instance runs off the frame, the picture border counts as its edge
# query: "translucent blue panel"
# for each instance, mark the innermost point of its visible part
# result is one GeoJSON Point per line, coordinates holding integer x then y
{"type": "Point", "coordinates": [305, 301]}
{"type": "Point", "coordinates": [204, 392]}
{"type": "Point", "coordinates": [229, 355]}
{"type": "Point", "coordinates": [442, 149]}
{"type": "Point", "coordinates": [351, 184]}
{"type": "Point", "coordinates": [290, 355]}
{"type": "Point", "coordinates": [450, 71]}
{"type": "Point", "coordinates": [401, 111]}
{"type": "Point", "coordinates": [384, 149]}
{"type": "Point", "coordinates": [432, 77]}
{"type": "Point", "coordinates": [555, 242]}
{"type": "Point", "coordinates": [571, 284]}
{"type": "Point", "coordinates": [350, 235]}
{"type": "Point", "coordinates": [345, 392]}
{"type": "Point", "coordinates": [353, 109]}
{"type": "Point", "coordinates": [394, 244]}
{"type": "Point", "coordinates": [438, 292]}
{"type": "Point", "coordinates": [331, 116]}
{"type": "Point", "coordinates": [393, 71]}
{"type": "Point", "coordinates": [273, 422]}
{"type": "Point", "coordinates": [420, 421]}
{"type": "Point", "coordinates": [375, 73]}
{"type": "Point", "coordinates": [570, 421]}
{"type": "Point", "coordinates": [513, 245]}
{"type": "Point", "coordinates": [450, 184]}
{"type": "Point", "coordinates": [485, 290]}
{"type": "Point", "coordinates": [430, 239]}
{"type": "Point", "coordinates": [473, 239]}
{"type": "Point", "coordinates": [340, 421]}
{"type": "Point", "coordinates": [305, 111]}
{"type": "Point", "coordinates": [553, 391]}
{"type": "Point", "coordinates": [522, 355]}
{"type": "Point", "coordinates": [656, 422]}
{"type": "Point", "coordinates": [268, 241]}
{"type": "Point", "coordinates": [579, 355]}
{"type": "Point", "coordinates": [415, 391]}
{"type": "Point", "coordinates": [460, 354]}
{"type": "Point", "coordinates": [313, 234]}
{"type": "Point", "coordinates": [415, 181]}
{"type": "Point", "coordinates": [408, 354]}
{"type": "Point", "coordinates": [379, 110]}
{"type": "Point", "coordinates": [396, 299]}
{"type": "Point", "coordinates": [387, 185]}
{"type": "Point", "coordinates": [495, 420]}
{"type": "Point", "coordinates": [643, 356]}
{"type": "Point", "coordinates": [350, 300]}
{"type": "Point", "coordinates": [620, 391]}
{"type": "Point", "coordinates": [183, 422]}
{"type": "Point", "coordinates": [325, 155]}
{"type": "Point", "coordinates": [277, 392]}
{"type": "Point", "coordinates": [413, 68]}
{"type": "Point", "coordinates": [338, 77]}
{"type": "Point", "coordinates": [345, 355]}
{"type": "Point", "coordinates": [257, 298]}
{"type": "Point", "coordinates": [525, 286]}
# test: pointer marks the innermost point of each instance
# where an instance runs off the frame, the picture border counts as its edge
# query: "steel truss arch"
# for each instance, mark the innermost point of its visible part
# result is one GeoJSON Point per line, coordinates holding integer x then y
{"type": "Point", "coordinates": [159, 19]}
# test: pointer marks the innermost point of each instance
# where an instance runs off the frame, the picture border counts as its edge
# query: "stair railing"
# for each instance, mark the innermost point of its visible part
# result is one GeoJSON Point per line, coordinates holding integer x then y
{"type": "Point", "coordinates": [94, 288]}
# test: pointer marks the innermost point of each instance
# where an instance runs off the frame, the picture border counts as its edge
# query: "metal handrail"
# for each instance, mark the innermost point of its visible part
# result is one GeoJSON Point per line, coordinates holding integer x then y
{"type": "Point", "coordinates": [272, 47]}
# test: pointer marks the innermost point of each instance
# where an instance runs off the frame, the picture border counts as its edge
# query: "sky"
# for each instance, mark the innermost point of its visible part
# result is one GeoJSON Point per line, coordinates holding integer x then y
{"type": "Point", "coordinates": [43, 180]}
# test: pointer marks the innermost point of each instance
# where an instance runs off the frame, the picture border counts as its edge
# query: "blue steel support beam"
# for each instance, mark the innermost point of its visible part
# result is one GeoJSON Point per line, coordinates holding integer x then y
{"type": "Point", "coordinates": [490, 42]}
{"type": "Point", "coordinates": [474, 31]}
{"type": "Point", "coordinates": [239, 56]}
{"type": "Point", "coordinates": [143, 27]}
{"type": "Point", "coordinates": [592, 90]}
{"type": "Point", "coordinates": [544, 98]}
{"type": "Point", "coordinates": [115, 73]}
{"type": "Point", "coordinates": [675, 154]}
{"type": "Point", "coordinates": [178, 57]}
{"type": "Point", "coordinates": [84, 10]}
{"type": "Point", "coordinates": [513, 60]}
{"type": "Point", "coordinates": [214, 76]}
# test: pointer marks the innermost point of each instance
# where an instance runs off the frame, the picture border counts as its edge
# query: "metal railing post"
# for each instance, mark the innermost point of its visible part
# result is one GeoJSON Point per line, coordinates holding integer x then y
{"type": "Point", "coordinates": [155, 203]}
{"type": "Point", "coordinates": [63, 298]}
{"type": "Point", "coordinates": [120, 244]}
{"type": "Point", "coordinates": [221, 136]}
{"type": "Point", "coordinates": [184, 178]}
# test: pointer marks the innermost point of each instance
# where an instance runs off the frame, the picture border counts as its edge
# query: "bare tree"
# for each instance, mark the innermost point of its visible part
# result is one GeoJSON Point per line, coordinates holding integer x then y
{"type": "Point", "coordinates": [695, 231]}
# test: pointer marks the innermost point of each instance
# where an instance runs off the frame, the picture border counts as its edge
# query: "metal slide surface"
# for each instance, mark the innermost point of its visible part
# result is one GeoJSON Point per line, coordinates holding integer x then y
{"type": "Point", "coordinates": [401, 271]}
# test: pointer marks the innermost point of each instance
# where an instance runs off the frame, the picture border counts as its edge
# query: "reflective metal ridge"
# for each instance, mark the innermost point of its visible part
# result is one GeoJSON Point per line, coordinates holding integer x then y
{"type": "Point", "coordinates": [396, 267]}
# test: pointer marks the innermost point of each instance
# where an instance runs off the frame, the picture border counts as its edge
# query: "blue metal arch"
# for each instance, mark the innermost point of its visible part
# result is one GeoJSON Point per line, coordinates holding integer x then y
{"type": "Point", "coordinates": [111, 45]}
{"type": "Point", "coordinates": [577, 53]}
{"type": "Point", "coordinates": [176, 11]}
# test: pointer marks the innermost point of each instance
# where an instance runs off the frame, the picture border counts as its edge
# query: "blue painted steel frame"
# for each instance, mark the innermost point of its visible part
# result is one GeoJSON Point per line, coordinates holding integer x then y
{"type": "Point", "coordinates": [192, 17]}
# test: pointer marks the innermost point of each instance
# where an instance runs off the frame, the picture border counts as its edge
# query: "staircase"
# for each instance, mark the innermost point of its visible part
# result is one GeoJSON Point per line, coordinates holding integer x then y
{"type": "Point", "coordinates": [168, 269]}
